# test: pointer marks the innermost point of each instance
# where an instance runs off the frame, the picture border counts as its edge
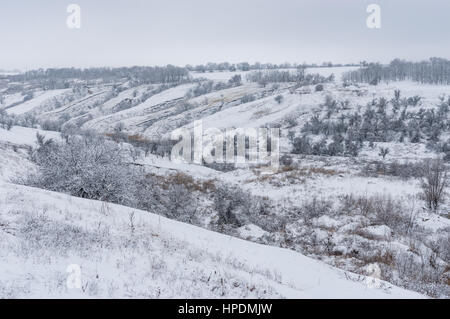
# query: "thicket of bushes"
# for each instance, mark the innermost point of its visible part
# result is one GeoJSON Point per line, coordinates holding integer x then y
{"type": "Point", "coordinates": [381, 120]}
{"type": "Point", "coordinates": [90, 166]}
{"type": "Point", "coordinates": [420, 264]}
{"type": "Point", "coordinates": [7, 121]}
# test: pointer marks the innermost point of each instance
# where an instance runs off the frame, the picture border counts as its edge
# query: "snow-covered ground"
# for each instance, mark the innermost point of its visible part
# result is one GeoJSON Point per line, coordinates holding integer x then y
{"type": "Point", "coordinates": [129, 253]}
{"type": "Point", "coordinates": [125, 253]}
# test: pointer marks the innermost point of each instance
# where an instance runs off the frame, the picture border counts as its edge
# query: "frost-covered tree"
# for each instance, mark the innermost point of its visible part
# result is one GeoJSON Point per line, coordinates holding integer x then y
{"type": "Point", "coordinates": [84, 166]}
{"type": "Point", "coordinates": [279, 98]}
{"type": "Point", "coordinates": [236, 80]}
{"type": "Point", "coordinates": [6, 121]}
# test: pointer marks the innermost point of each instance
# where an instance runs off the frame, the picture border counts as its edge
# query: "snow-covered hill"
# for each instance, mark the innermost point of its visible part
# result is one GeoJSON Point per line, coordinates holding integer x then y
{"type": "Point", "coordinates": [348, 210]}
{"type": "Point", "coordinates": [126, 253]}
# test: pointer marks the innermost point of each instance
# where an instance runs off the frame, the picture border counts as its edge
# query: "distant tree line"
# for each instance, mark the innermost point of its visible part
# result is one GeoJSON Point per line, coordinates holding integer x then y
{"type": "Point", "coordinates": [142, 74]}
{"type": "Point", "coordinates": [245, 66]}
{"type": "Point", "coordinates": [433, 71]}
{"type": "Point", "coordinates": [7, 121]}
{"type": "Point", "coordinates": [277, 76]}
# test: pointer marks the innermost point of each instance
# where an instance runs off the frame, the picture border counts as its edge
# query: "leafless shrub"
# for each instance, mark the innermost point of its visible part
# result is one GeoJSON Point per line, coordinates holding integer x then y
{"type": "Point", "coordinates": [421, 273]}
{"type": "Point", "coordinates": [132, 225]}
{"type": "Point", "coordinates": [318, 88]}
{"type": "Point", "coordinates": [279, 98]}
{"type": "Point", "coordinates": [383, 152]}
{"type": "Point", "coordinates": [387, 211]}
{"type": "Point", "coordinates": [316, 207]}
{"type": "Point", "coordinates": [434, 182]}
{"type": "Point", "coordinates": [286, 160]}
{"type": "Point", "coordinates": [180, 204]}
{"type": "Point", "coordinates": [227, 202]}
{"type": "Point", "coordinates": [222, 167]}
{"type": "Point", "coordinates": [170, 196]}
{"type": "Point", "coordinates": [356, 205]}
{"type": "Point", "coordinates": [378, 256]}
{"type": "Point", "coordinates": [402, 170]}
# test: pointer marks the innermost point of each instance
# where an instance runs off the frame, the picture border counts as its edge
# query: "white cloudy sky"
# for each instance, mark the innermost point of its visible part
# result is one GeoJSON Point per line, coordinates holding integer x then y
{"type": "Point", "coordinates": [147, 32]}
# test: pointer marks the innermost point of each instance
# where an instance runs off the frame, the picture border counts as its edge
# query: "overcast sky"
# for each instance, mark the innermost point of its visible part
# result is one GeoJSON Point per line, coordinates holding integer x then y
{"type": "Point", "coordinates": [146, 32]}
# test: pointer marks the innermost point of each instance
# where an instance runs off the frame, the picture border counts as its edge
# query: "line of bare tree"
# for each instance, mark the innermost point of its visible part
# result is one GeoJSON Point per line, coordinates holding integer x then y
{"type": "Point", "coordinates": [432, 71]}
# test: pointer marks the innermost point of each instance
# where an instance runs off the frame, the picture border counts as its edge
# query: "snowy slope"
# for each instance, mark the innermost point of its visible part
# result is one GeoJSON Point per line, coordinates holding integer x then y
{"type": "Point", "coordinates": [107, 122]}
{"type": "Point", "coordinates": [124, 252]}
{"type": "Point", "coordinates": [13, 150]}
{"type": "Point", "coordinates": [149, 257]}
{"type": "Point", "coordinates": [257, 113]}
{"type": "Point", "coordinates": [10, 99]}
{"type": "Point", "coordinates": [13, 164]}
{"type": "Point", "coordinates": [41, 97]}
{"type": "Point", "coordinates": [25, 135]}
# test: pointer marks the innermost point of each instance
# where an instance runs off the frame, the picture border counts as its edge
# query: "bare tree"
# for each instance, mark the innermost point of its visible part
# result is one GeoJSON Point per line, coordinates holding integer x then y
{"type": "Point", "coordinates": [434, 182]}
{"type": "Point", "coordinates": [383, 152]}
{"type": "Point", "coordinates": [279, 98]}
